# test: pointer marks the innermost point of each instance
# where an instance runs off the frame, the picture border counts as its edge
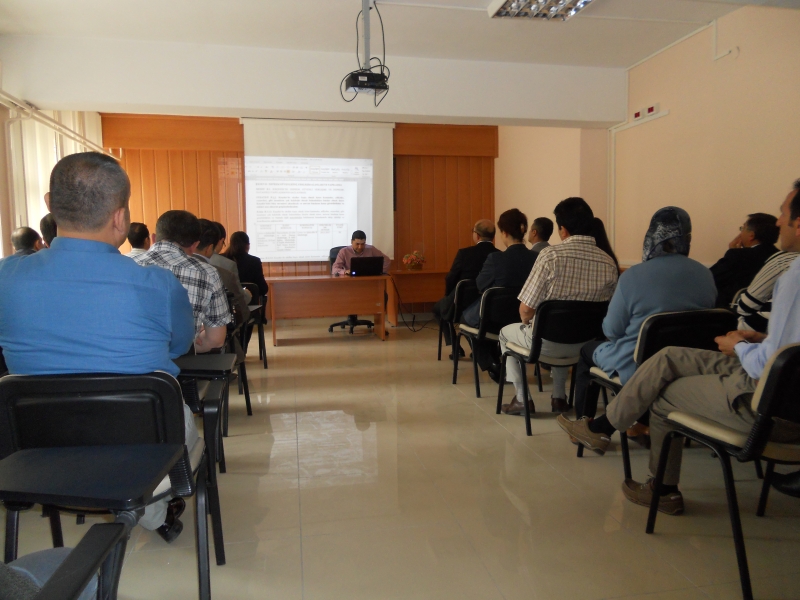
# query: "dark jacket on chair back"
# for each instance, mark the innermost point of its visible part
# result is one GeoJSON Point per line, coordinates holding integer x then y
{"type": "Point", "coordinates": [467, 264]}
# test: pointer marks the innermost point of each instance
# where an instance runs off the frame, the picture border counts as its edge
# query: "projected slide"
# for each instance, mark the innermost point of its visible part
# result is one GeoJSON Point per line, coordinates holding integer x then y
{"type": "Point", "coordinates": [299, 208]}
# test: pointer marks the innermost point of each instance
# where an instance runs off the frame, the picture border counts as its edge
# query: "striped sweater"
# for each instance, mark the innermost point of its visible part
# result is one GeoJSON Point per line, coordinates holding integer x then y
{"type": "Point", "coordinates": [755, 303]}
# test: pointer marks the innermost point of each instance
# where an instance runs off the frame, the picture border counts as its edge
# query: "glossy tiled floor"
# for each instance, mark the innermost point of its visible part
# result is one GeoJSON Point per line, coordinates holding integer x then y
{"type": "Point", "coordinates": [365, 474]}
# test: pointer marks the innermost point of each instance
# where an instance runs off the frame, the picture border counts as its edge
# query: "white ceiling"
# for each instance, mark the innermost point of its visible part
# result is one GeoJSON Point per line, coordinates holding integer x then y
{"type": "Point", "coordinates": [609, 33]}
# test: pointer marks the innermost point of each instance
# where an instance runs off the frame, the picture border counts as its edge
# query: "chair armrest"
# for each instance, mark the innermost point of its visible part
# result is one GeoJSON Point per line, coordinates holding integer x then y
{"type": "Point", "coordinates": [83, 562]}
{"type": "Point", "coordinates": [215, 391]}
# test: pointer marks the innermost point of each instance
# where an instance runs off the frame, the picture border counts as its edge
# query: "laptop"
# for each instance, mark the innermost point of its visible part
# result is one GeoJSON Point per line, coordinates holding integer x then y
{"type": "Point", "coordinates": [364, 266]}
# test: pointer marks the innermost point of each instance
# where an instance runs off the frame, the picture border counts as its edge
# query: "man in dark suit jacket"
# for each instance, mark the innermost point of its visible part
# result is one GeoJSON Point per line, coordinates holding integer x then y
{"type": "Point", "coordinates": [466, 265]}
{"type": "Point", "coordinates": [747, 254]}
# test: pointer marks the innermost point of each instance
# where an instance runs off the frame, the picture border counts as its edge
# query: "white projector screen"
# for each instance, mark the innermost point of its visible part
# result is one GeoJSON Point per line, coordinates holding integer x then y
{"type": "Point", "coordinates": [310, 184]}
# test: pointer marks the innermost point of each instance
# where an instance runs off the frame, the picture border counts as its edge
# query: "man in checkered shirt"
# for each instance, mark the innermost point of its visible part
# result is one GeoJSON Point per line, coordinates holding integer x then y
{"type": "Point", "coordinates": [177, 236]}
{"type": "Point", "coordinates": [575, 269]}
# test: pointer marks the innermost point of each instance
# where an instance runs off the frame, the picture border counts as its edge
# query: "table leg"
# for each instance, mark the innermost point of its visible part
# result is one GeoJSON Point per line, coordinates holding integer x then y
{"type": "Point", "coordinates": [272, 301]}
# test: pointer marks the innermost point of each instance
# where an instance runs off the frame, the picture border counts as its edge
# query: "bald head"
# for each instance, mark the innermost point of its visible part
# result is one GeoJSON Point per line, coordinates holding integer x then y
{"type": "Point", "coordinates": [484, 229]}
{"type": "Point", "coordinates": [25, 238]}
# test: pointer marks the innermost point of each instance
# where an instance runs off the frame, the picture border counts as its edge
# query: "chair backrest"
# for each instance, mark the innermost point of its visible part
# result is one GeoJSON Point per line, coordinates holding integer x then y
{"type": "Point", "coordinates": [777, 392]}
{"type": "Point", "coordinates": [566, 322]}
{"type": "Point", "coordinates": [499, 307]}
{"type": "Point", "coordinates": [333, 254]}
{"type": "Point", "coordinates": [466, 293]}
{"type": "Point", "coordinates": [687, 329]}
{"type": "Point", "coordinates": [45, 411]}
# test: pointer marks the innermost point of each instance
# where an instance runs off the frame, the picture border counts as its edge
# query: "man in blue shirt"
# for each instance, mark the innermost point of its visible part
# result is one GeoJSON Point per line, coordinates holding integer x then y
{"type": "Point", "coordinates": [715, 385]}
{"type": "Point", "coordinates": [82, 307]}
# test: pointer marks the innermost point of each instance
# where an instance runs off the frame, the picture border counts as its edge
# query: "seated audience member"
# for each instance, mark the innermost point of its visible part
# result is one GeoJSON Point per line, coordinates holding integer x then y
{"type": "Point", "coordinates": [177, 237]}
{"type": "Point", "coordinates": [25, 241]}
{"type": "Point", "coordinates": [714, 385]}
{"type": "Point", "coordinates": [249, 266]}
{"type": "Point", "coordinates": [48, 227]}
{"type": "Point", "coordinates": [358, 247]}
{"type": "Point", "coordinates": [139, 239]}
{"type": "Point", "coordinates": [666, 280]}
{"type": "Point", "coordinates": [502, 269]}
{"type": "Point", "coordinates": [575, 269]}
{"type": "Point", "coordinates": [101, 312]}
{"type": "Point", "coordinates": [539, 236]}
{"type": "Point", "coordinates": [747, 254]}
{"type": "Point", "coordinates": [466, 265]}
{"type": "Point", "coordinates": [217, 259]}
{"type": "Point", "coordinates": [755, 303]}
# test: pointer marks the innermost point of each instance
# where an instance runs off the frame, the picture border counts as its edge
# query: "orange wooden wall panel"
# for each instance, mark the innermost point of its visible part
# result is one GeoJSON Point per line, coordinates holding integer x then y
{"type": "Point", "coordinates": [445, 140]}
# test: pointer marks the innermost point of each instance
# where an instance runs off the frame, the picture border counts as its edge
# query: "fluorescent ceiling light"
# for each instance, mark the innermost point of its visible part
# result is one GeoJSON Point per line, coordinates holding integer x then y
{"type": "Point", "coordinates": [536, 9]}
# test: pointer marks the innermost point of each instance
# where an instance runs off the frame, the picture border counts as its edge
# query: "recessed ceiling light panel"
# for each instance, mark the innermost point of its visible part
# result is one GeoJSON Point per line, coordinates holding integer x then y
{"type": "Point", "coordinates": [537, 9]}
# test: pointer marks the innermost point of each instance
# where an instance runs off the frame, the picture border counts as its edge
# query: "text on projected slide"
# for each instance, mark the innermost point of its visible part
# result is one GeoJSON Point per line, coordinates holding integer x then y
{"type": "Point", "coordinates": [299, 208]}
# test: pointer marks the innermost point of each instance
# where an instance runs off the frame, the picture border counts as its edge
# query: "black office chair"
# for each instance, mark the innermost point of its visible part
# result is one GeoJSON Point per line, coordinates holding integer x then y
{"type": "Point", "coordinates": [236, 333]}
{"type": "Point", "coordinates": [98, 410]}
{"type": "Point", "coordinates": [352, 320]}
{"type": "Point", "coordinates": [559, 321]}
{"type": "Point", "coordinates": [774, 398]}
{"type": "Point", "coordinates": [688, 329]}
{"type": "Point", "coordinates": [258, 318]}
{"type": "Point", "coordinates": [466, 293]}
{"type": "Point", "coordinates": [499, 307]}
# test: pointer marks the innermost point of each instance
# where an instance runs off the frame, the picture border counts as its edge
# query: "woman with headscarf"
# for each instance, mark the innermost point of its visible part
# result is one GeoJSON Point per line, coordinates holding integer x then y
{"type": "Point", "coordinates": [666, 280]}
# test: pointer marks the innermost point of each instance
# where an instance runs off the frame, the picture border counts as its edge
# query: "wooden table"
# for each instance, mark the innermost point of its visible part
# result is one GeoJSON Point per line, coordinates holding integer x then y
{"type": "Point", "coordinates": [327, 296]}
{"type": "Point", "coordinates": [414, 286]}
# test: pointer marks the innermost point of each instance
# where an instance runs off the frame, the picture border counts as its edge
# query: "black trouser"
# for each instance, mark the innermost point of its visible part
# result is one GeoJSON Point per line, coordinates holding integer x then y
{"type": "Point", "coordinates": [586, 399]}
{"type": "Point", "coordinates": [488, 353]}
{"type": "Point", "coordinates": [443, 310]}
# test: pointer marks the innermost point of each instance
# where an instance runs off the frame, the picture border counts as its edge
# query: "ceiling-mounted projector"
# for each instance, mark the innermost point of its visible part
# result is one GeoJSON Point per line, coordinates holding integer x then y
{"type": "Point", "coordinates": [369, 78]}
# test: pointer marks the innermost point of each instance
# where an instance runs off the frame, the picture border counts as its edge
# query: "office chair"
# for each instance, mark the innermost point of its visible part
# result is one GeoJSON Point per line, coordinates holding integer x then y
{"type": "Point", "coordinates": [258, 318]}
{"type": "Point", "coordinates": [352, 320]}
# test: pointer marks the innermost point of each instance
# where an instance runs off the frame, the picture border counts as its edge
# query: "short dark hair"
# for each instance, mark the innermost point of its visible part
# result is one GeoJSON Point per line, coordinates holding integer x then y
{"type": "Point", "coordinates": [209, 234]}
{"type": "Point", "coordinates": [574, 215]}
{"type": "Point", "coordinates": [514, 223]}
{"type": "Point", "coordinates": [794, 207]}
{"type": "Point", "coordinates": [48, 228]}
{"type": "Point", "coordinates": [543, 226]}
{"type": "Point", "coordinates": [764, 227]}
{"type": "Point", "coordinates": [359, 235]}
{"type": "Point", "coordinates": [85, 190]}
{"type": "Point", "coordinates": [24, 238]}
{"type": "Point", "coordinates": [222, 233]}
{"type": "Point", "coordinates": [178, 226]}
{"type": "Point", "coordinates": [138, 234]}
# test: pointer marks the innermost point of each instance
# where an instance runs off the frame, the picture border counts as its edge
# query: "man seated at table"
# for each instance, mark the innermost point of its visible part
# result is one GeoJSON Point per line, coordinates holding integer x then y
{"type": "Point", "coordinates": [358, 247]}
{"type": "Point", "coordinates": [466, 265]}
{"type": "Point", "coordinates": [25, 241]}
{"type": "Point", "coordinates": [716, 385]}
{"type": "Point", "coordinates": [139, 239]}
{"type": "Point", "coordinates": [747, 253]}
{"type": "Point", "coordinates": [84, 308]}
{"type": "Point", "coordinates": [539, 235]}
{"type": "Point", "coordinates": [575, 269]}
{"type": "Point", "coordinates": [177, 237]}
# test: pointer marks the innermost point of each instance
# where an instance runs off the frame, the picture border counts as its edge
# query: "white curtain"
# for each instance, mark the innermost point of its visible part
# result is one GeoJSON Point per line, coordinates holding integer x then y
{"type": "Point", "coordinates": [35, 149]}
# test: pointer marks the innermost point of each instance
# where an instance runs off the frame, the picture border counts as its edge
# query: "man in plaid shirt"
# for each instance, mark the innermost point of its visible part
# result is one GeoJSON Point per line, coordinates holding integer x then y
{"type": "Point", "coordinates": [177, 236]}
{"type": "Point", "coordinates": [576, 269]}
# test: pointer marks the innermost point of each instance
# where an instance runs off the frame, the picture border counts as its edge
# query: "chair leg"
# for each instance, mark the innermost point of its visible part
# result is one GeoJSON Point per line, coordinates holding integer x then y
{"type": "Point", "coordinates": [441, 335]}
{"type": "Point", "coordinates": [215, 511]}
{"type": "Point", "coordinates": [201, 536]}
{"type": "Point", "coordinates": [474, 348]}
{"type": "Point", "coordinates": [736, 524]}
{"type": "Point", "coordinates": [502, 383]}
{"type": "Point", "coordinates": [762, 500]}
{"type": "Point", "coordinates": [571, 400]}
{"type": "Point", "coordinates": [759, 470]}
{"type": "Point", "coordinates": [456, 346]}
{"type": "Point", "coordinates": [211, 428]}
{"type": "Point", "coordinates": [263, 344]}
{"type": "Point", "coordinates": [626, 454]}
{"type": "Point", "coordinates": [55, 527]}
{"type": "Point", "coordinates": [224, 408]}
{"type": "Point", "coordinates": [525, 399]}
{"type": "Point", "coordinates": [243, 382]}
{"type": "Point", "coordinates": [537, 371]}
{"type": "Point", "coordinates": [659, 480]}
{"type": "Point", "coordinates": [12, 534]}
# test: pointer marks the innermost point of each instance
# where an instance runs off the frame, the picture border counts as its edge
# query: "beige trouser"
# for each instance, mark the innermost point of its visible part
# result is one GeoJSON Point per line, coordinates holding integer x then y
{"type": "Point", "coordinates": [701, 382]}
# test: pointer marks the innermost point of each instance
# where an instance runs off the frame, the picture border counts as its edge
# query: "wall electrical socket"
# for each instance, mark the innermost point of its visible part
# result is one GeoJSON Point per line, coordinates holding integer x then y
{"type": "Point", "coordinates": [649, 111]}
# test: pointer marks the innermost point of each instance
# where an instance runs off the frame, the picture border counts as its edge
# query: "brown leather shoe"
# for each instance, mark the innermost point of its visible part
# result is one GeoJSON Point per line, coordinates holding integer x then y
{"type": "Point", "coordinates": [559, 405]}
{"type": "Point", "coordinates": [640, 434]}
{"type": "Point", "coordinates": [642, 494]}
{"type": "Point", "coordinates": [516, 407]}
{"type": "Point", "coordinates": [597, 442]}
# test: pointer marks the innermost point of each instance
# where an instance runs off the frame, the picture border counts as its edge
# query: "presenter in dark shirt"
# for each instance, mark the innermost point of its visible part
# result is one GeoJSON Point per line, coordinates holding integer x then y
{"type": "Point", "coordinates": [466, 265]}
{"type": "Point", "coordinates": [502, 269]}
{"type": "Point", "coordinates": [747, 253]}
{"type": "Point", "coordinates": [249, 266]}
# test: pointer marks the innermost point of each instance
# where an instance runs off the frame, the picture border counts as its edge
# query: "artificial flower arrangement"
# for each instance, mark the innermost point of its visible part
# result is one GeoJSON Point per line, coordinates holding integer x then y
{"type": "Point", "coordinates": [414, 261]}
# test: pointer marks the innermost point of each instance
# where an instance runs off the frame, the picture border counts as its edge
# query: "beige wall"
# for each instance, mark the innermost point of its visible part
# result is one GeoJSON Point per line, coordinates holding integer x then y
{"type": "Point", "coordinates": [730, 143]}
{"type": "Point", "coordinates": [537, 167]}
